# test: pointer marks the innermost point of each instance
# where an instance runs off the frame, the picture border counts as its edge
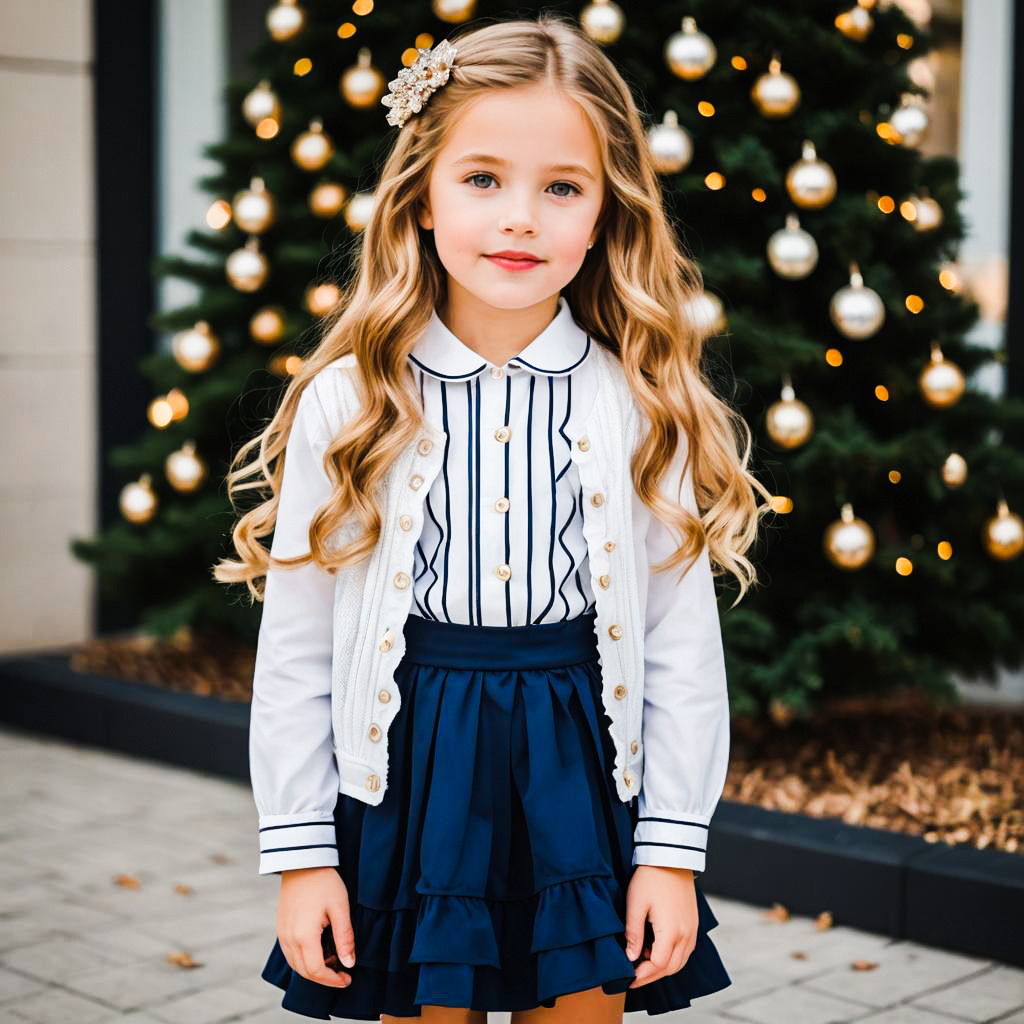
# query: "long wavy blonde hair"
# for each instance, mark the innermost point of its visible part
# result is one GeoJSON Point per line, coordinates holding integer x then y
{"type": "Point", "coordinates": [630, 295]}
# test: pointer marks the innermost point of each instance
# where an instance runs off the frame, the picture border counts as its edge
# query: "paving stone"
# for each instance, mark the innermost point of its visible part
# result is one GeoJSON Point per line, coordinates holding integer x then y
{"type": "Point", "coordinates": [15, 985]}
{"type": "Point", "coordinates": [793, 1004]}
{"type": "Point", "coordinates": [57, 1006]}
{"type": "Point", "coordinates": [982, 997]}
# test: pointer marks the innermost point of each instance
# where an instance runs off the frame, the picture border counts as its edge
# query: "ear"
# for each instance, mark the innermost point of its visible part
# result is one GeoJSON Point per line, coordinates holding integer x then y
{"type": "Point", "coordinates": [423, 214]}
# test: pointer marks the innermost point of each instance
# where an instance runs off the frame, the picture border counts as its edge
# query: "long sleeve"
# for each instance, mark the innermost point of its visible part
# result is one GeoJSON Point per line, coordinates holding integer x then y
{"type": "Point", "coordinates": [686, 703]}
{"type": "Point", "coordinates": [294, 774]}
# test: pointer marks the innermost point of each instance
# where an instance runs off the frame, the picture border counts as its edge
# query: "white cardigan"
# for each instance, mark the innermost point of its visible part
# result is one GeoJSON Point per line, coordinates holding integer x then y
{"type": "Point", "coordinates": [324, 693]}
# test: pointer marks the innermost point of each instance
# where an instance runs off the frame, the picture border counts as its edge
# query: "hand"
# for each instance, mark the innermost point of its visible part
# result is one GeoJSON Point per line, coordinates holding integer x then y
{"type": "Point", "coordinates": [310, 900]}
{"type": "Point", "coordinates": [668, 897]}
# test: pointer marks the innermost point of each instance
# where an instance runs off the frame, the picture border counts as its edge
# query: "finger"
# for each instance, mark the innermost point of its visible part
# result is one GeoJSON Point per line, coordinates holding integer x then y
{"type": "Point", "coordinates": [636, 919]}
{"type": "Point", "coordinates": [316, 970]}
{"type": "Point", "coordinates": [654, 969]}
{"type": "Point", "coordinates": [344, 936]}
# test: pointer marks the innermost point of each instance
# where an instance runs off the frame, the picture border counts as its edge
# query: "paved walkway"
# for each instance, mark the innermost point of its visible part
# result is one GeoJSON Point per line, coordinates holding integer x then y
{"type": "Point", "coordinates": [78, 948]}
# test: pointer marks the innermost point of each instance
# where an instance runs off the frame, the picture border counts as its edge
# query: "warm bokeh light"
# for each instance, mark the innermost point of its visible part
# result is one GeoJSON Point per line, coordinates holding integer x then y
{"type": "Point", "coordinates": [780, 503]}
{"type": "Point", "coordinates": [706, 108]}
{"type": "Point", "coordinates": [904, 566]}
{"type": "Point", "coordinates": [425, 40]}
{"type": "Point", "coordinates": [410, 55]}
{"type": "Point", "coordinates": [362, 7]}
{"type": "Point", "coordinates": [884, 130]}
{"type": "Point", "coordinates": [739, 63]}
{"type": "Point", "coordinates": [833, 357]}
{"type": "Point", "coordinates": [715, 181]}
{"type": "Point", "coordinates": [904, 40]}
{"type": "Point", "coordinates": [267, 128]}
{"type": "Point", "coordinates": [914, 303]}
{"type": "Point", "coordinates": [218, 215]}
{"type": "Point", "coordinates": [908, 210]}
{"type": "Point", "coordinates": [950, 279]}
{"type": "Point", "coordinates": [944, 550]}
{"type": "Point", "coordinates": [176, 399]}
{"type": "Point", "coordinates": [895, 476]}
{"type": "Point", "coordinates": [302, 66]}
{"type": "Point", "coordinates": [886, 204]}
{"type": "Point", "coordinates": [160, 413]}
{"type": "Point", "coordinates": [346, 29]}
{"type": "Point", "coordinates": [758, 195]}
{"type": "Point", "coordinates": [882, 393]}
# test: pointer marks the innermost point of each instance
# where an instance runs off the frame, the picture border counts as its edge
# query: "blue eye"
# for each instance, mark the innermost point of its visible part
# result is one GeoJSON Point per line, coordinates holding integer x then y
{"type": "Point", "coordinates": [561, 195]}
{"type": "Point", "coordinates": [480, 174]}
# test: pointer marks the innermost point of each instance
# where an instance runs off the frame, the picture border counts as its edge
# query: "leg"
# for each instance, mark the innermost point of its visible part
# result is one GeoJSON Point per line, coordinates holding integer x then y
{"type": "Point", "coordinates": [594, 1006]}
{"type": "Point", "coordinates": [439, 1015]}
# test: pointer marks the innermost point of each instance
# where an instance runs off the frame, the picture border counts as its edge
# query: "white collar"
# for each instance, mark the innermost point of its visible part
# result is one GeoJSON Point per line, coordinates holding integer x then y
{"type": "Point", "coordinates": [558, 350]}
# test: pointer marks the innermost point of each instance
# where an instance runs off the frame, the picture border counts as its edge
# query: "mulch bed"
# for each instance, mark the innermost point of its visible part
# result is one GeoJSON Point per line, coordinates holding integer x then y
{"type": "Point", "coordinates": [951, 775]}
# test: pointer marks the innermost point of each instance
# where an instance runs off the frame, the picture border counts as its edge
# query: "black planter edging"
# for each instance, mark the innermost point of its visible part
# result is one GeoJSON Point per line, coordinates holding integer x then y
{"type": "Point", "coordinates": [956, 898]}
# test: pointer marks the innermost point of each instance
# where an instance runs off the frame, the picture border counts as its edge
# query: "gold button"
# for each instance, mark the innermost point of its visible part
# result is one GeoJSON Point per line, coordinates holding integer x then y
{"type": "Point", "coordinates": [375, 733]}
{"type": "Point", "coordinates": [386, 644]}
{"type": "Point", "coordinates": [609, 545]}
{"type": "Point", "coordinates": [501, 505]}
{"type": "Point", "coordinates": [405, 522]}
{"type": "Point", "coordinates": [402, 580]}
{"type": "Point", "coordinates": [415, 481]}
{"type": "Point", "coordinates": [628, 779]}
{"type": "Point", "coordinates": [373, 783]}
{"type": "Point", "coordinates": [583, 444]}
{"type": "Point", "coordinates": [424, 446]}
{"type": "Point", "coordinates": [620, 692]}
{"type": "Point", "coordinates": [605, 581]}
{"type": "Point", "coordinates": [502, 434]}
{"type": "Point", "coordinates": [503, 571]}
{"type": "Point", "coordinates": [597, 500]}
{"type": "Point", "coordinates": [615, 632]}
{"type": "Point", "coordinates": [383, 696]}
{"type": "Point", "coordinates": [497, 372]}
{"type": "Point", "coordinates": [633, 747]}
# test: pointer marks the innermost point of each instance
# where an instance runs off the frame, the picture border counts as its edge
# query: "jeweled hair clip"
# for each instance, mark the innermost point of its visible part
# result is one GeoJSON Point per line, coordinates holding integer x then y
{"type": "Point", "coordinates": [418, 82]}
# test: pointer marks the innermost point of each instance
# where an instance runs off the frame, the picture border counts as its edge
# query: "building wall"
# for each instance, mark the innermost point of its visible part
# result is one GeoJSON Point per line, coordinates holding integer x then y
{"type": "Point", "coordinates": [47, 332]}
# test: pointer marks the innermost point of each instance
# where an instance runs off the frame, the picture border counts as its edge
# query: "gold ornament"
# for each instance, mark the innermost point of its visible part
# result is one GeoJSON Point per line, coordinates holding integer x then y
{"type": "Point", "coordinates": [941, 382]}
{"type": "Point", "coordinates": [313, 148]}
{"type": "Point", "coordinates": [856, 310]}
{"type": "Point", "coordinates": [247, 268]}
{"type": "Point", "coordinates": [792, 252]}
{"type": "Point", "coordinates": [362, 84]}
{"type": "Point", "coordinates": [138, 501]}
{"type": "Point", "coordinates": [856, 23]}
{"type": "Point", "coordinates": [185, 469]}
{"type": "Point", "coordinates": [266, 327]}
{"type": "Point", "coordinates": [706, 314]}
{"type": "Point", "coordinates": [454, 11]}
{"type": "Point", "coordinates": [909, 122]}
{"type": "Point", "coordinates": [254, 208]}
{"type": "Point", "coordinates": [261, 104]}
{"type": "Point", "coordinates": [954, 470]}
{"type": "Point", "coordinates": [789, 422]}
{"type": "Point", "coordinates": [196, 349]}
{"type": "Point", "coordinates": [690, 53]}
{"type": "Point", "coordinates": [927, 212]}
{"type": "Point", "coordinates": [775, 93]}
{"type": "Point", "coordinates": [322, 298]}
{"type": "Point", "coordinates": [810, 182]}
{"type": "Point", "coordinates": [1003, 535]}
{"type": "Point", "coordinates": [359, 210]}
{"type": "Point", "coordinates": [670, 145]}
{"type": "Point", "coordinates": [603, 21]}
{"type": "Point", "coordinates": [285, 20]}
{"type": "Point", "coordinates": [327, 199]}
{"type": "Point", "coordinates": [849, 542]}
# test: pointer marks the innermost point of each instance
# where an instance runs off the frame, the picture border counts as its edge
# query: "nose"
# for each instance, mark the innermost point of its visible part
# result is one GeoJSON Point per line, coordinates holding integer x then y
{"type": "Point", "coordinates": [517, 215]}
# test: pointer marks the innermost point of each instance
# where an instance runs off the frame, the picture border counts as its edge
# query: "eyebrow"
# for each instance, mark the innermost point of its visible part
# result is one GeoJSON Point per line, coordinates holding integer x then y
{"type": "Point", "coordinates": [485, 158]}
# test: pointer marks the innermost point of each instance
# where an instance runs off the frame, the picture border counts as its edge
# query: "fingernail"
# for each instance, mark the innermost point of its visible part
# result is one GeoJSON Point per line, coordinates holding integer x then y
{"type": "Point", "coordinates": [348, 960]}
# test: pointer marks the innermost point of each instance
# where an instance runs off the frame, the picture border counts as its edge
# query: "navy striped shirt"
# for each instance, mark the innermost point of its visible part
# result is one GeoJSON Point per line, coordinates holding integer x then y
{"type": "Point", "coordinates": [502, 541]}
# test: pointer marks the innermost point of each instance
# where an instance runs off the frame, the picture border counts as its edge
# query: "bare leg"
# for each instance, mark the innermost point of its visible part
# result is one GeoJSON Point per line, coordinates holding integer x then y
{"type": "Point", "coordinates": [439, 1015]}
{"type": "Point", "coordinates": [594, 1006]}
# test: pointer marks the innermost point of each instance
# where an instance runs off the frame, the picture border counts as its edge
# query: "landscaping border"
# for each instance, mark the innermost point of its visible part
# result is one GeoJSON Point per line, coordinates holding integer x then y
{"type": "Point", "coordinates": [956, 898]}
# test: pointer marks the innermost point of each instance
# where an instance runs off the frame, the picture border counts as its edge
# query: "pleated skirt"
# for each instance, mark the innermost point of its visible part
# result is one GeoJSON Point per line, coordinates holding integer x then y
{"type": "Point", "coordinates": [493, 874]}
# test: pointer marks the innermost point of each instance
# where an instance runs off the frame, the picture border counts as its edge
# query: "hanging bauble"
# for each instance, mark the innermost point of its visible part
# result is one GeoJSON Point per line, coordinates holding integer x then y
{"type": "Point", "coordinates": [137, 500]}
{"type": "Point", "coordinates": [196, 348]}
{"type": "Point", "coordinates": [454, 11]}
{"type": "Point", "coordinates": [810, 182]}
{"type": "Point", "coordinates": [941, 382]}
{"type": "Point", "coordinates": [705, 312]}
{"type": "Point", "coordinates": [266, 326]}
{"type": "Point", "coordinates": [670, 145]}
{"type": "Point", "coordinates": [362, 83]}
{"type": "Point", "coordinates": [954, 470]}
{"type": "Point", "coordinates": [185, 469]}
{"type": "Point", "coordinates": [247, 268]}
{"type": "Point", "coordinates": [313, 148]}
{"type": "Point", "coordinates": [254, 208]}
{"type": "Point", "coordinates": [690, 53]}
{"type": "Point", "coordinates": [327, 199]}
{"type": "Point", "coordinates": [1003, 535]}
{"type": "Point", "coordinates": [260, 104]}
{"type": "Point", "coordinates": [603, 21]}
{"type": "Point", "coordinates": [789, 422]}
{"type": "Point", "coordinates": [908, 122]}
{"type": "Point", "coordinates": [856, 310]}
{"type": "Point", "coordinates": [285, 20]}
{"type": "Point", "coordinates": [321, 298]}
{"type": "Point", "coordinates": [775, 94]}
{"type": "Point", "coordinates": [927, 212]}
{"type": "Point", "coordinates": [359, 209]}
{"type": "Point", "coordinates": [856, 23]}
{"type": "Point", "coordinates": [849, 542]}
{"type": "Point", "coordinates": [920, 72]}
{"type": "Point", "coordinates": [792, 252]}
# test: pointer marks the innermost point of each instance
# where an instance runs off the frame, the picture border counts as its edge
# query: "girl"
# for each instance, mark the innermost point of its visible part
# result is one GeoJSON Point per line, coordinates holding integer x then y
{"type": "Point", "coordinates": [488, 734]}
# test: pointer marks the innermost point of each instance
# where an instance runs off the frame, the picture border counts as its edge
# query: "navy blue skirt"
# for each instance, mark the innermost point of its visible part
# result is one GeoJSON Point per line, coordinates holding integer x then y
{"type": "Point", "coordinates": [493, 874]}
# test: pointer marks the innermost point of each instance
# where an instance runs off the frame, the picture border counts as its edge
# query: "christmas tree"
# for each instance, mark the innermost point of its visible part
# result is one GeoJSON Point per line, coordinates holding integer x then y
{"type": "Point", "coordinates": [786, 135]}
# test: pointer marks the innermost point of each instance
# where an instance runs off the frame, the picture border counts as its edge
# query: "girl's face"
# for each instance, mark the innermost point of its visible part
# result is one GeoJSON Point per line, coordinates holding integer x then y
{"type": "Point", "coordinates": [520, 170]}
